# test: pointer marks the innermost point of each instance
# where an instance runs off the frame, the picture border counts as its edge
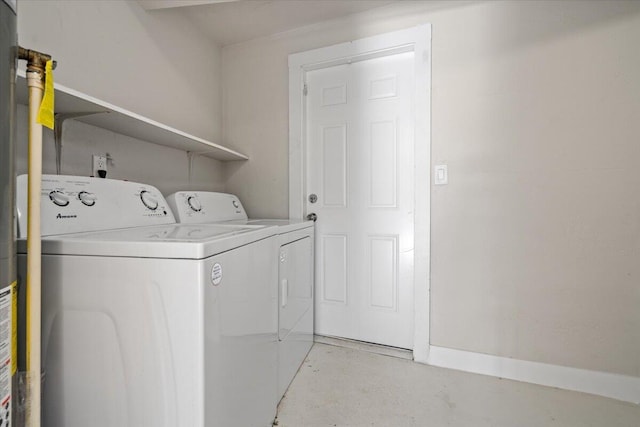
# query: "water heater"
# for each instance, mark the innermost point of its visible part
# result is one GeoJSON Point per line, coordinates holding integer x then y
{"type": "Point", "coordinates": [8, 56]}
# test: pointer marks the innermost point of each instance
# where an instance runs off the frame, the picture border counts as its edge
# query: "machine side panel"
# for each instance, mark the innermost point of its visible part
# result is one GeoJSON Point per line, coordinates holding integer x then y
{"type": "Point", "coordinates": [121, 341]}
{"type": "Point", "coordinates": [296, 290]}
{"type": "Point", "coordinates": [241, 319]}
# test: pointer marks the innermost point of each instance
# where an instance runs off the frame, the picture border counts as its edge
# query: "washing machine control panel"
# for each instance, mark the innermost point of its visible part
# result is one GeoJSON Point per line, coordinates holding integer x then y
{"type": "Point", "coordinates": [72, 204]}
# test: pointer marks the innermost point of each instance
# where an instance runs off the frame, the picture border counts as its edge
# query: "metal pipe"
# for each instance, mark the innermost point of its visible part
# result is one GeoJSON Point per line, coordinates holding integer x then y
{"type": "Point", "coordinates": [35, 82]}
{"type": "Point", "coordinates": [36, 60]}
{"type": "Point", "coordinates": [36, 89]}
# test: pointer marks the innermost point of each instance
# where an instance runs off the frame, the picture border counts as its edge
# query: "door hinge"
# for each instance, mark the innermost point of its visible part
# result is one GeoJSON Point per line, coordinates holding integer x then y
{"type": "Point", "coordinates": [305, 90]}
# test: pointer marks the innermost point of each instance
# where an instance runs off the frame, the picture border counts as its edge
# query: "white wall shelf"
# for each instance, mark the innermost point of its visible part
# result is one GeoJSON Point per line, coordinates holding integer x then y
{"type": "Point", "coordinates": [119, 120]}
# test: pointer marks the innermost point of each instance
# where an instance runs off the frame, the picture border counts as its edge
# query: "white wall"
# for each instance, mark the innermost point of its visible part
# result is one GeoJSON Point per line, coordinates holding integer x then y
{"type": "Point", "coordinates": [535, 106]}
{"type": "Point", "coordinates": [151, 63]}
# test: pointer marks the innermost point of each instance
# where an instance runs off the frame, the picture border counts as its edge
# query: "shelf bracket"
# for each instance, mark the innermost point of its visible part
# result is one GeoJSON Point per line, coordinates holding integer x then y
{"type": "Point", "coordinates": [60, 118]}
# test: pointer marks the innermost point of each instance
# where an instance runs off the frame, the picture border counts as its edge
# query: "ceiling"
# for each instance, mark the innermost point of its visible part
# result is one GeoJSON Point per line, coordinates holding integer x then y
{"type": "Point", "coordinates": [232, 21]}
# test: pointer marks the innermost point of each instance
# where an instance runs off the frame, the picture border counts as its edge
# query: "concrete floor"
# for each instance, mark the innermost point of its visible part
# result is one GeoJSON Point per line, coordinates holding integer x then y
{"type": "Point", "coordinates": [339, 386]}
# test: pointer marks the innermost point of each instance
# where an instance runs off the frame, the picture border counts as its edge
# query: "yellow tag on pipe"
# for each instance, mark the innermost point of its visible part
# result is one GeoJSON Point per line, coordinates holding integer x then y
{"type": "Point", "coordinates": [45, 113]}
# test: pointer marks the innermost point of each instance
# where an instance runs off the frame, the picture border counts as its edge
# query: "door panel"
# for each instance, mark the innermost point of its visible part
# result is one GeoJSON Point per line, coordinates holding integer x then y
{"type": "Point", "coordinates": [383, 262]}
{"type": "Point", "coordinates": [360, 164]}
{"type": "Point", "coordinates": [333, 277]}
{"type": "Point", "coordinates": [334, 160]}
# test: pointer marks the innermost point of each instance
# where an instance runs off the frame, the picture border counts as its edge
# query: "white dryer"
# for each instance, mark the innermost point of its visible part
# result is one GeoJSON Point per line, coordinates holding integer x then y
{"type": "Point", "coordinates": [147, 322]}
{"type": "Point", "coordinates": [295, 270]}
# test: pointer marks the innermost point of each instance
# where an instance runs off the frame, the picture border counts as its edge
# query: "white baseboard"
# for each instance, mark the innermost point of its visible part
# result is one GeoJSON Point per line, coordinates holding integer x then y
{"type": "Point", "coordinates": [615, 386]}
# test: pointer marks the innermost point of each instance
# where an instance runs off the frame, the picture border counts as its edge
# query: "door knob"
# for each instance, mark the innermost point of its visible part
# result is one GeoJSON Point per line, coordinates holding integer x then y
{"type": "Point", "coordinates": [312, 217]}
{"type": "Point", "coordinates": [313, 198]}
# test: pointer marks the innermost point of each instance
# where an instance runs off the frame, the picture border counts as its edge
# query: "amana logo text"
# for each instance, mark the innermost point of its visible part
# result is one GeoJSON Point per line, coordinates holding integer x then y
{"type": "Point", "coordinates": [60, 216]}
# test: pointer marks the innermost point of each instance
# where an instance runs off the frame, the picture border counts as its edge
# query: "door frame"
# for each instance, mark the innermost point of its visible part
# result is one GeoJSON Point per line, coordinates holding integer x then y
{"type": "Point", "coordinates": [415, 39]}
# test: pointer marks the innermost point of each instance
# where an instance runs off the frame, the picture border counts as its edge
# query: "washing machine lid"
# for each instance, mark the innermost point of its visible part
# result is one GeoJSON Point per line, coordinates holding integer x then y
{"type": "Point", "coordinates": [173, 241]}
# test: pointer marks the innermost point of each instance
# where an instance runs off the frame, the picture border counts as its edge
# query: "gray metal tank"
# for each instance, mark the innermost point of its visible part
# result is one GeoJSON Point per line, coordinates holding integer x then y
{"type": "Point", "coordinates": [8, 57]}
{"type": "Point", "coordinates": [8, 50]}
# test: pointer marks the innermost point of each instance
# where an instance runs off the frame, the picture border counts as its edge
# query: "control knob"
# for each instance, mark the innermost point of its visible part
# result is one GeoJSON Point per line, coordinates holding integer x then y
{"type": "Point", "coordinates": [148, 200]}
{"type": "Point", "coordinates": [87, 199]}
{"type": "Point", "coordinates": [194, 204]}
{"type": "Point", "coordinates": [59, 198]}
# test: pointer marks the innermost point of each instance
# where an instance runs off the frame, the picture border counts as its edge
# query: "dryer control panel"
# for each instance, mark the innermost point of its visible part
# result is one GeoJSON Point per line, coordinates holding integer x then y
{"type": "Point", "coordinates": [197, 207]}
{"type": "Point", "coordinates": [70, 204]}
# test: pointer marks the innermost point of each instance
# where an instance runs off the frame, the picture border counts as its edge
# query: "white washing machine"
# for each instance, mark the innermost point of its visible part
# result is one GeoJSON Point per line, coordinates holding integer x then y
{"type": "Point", "coordinates": [150, 323]}
{"type": "Point", "coordinates": [295, 270]}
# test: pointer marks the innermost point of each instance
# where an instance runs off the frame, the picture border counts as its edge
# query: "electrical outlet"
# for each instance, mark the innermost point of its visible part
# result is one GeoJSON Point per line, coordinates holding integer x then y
{"type": "Point", "coordinates": [441, 175]}
{"type": "Point", "coordinates": [99, 164]}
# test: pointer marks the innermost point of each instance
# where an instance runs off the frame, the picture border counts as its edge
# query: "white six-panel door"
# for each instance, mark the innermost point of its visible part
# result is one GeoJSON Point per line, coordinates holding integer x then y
{"type": "Point", "coordinates": [360, 165]}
